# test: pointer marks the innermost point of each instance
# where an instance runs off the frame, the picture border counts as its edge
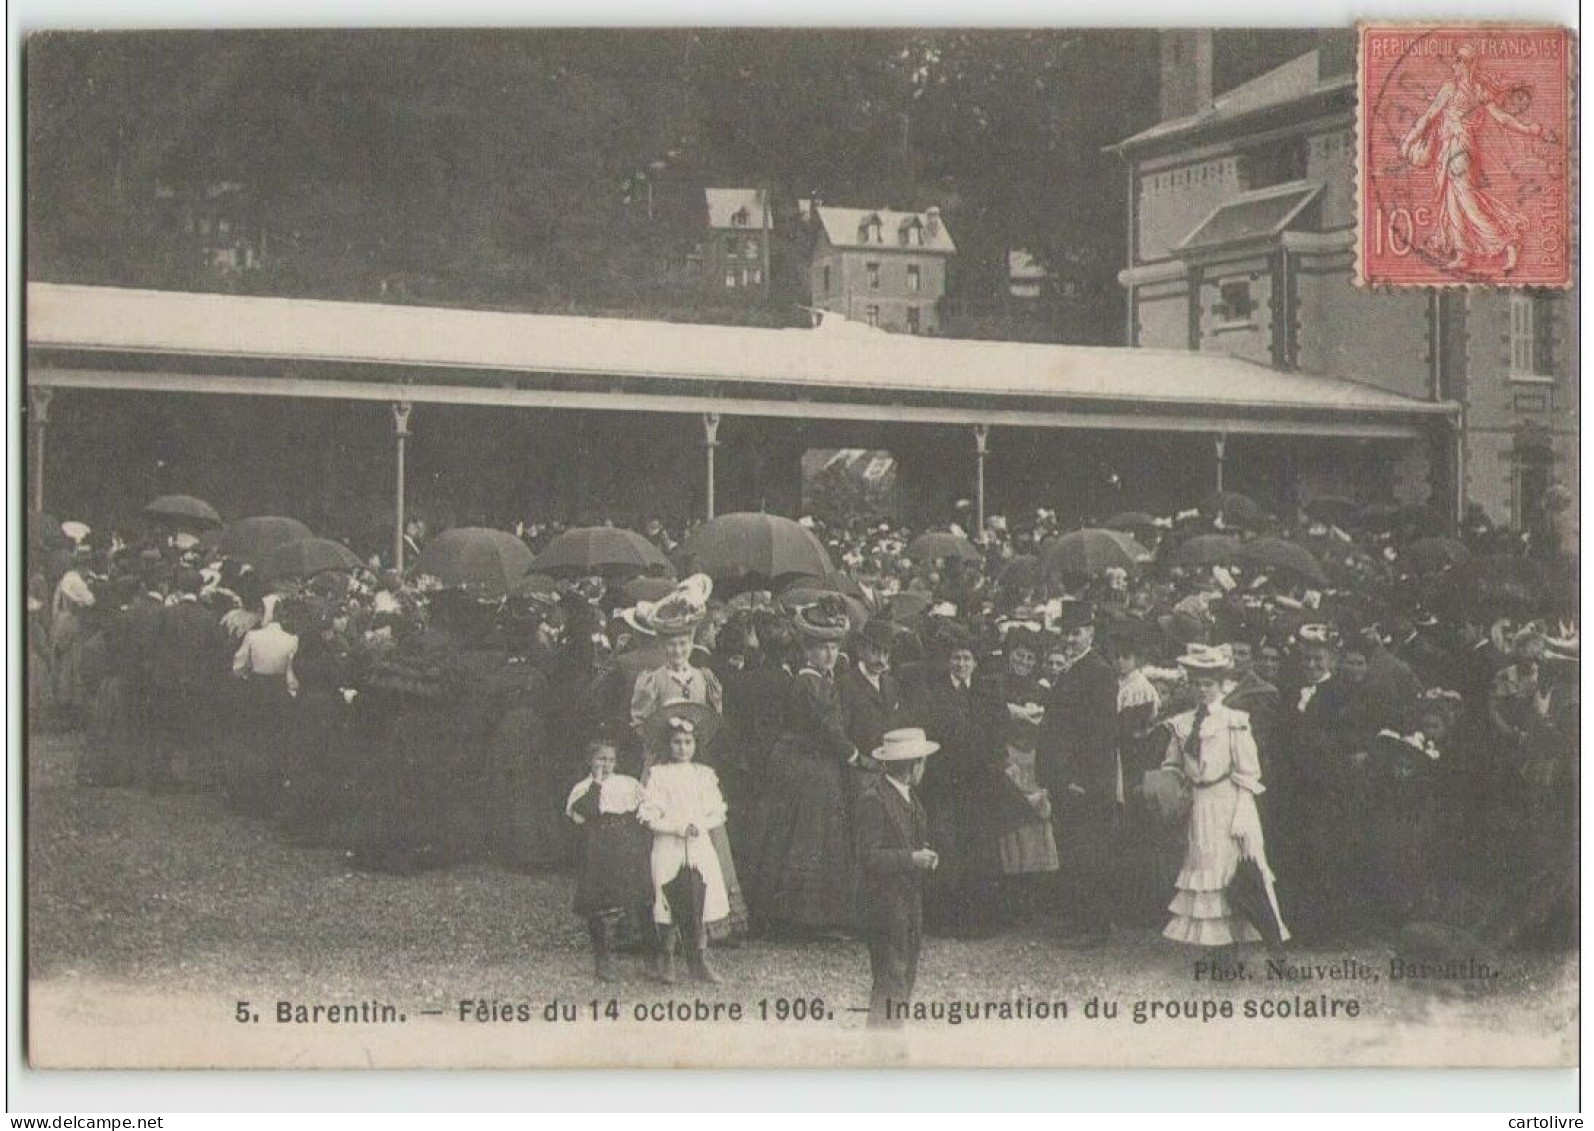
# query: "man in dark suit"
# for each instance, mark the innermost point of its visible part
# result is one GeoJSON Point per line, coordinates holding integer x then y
{"type": "Point", "coordinates": [1078, 761]}
{"type": "Point", "coordinates": [870, 696]}
{"type": "Point", "coordinates": [891, 840]}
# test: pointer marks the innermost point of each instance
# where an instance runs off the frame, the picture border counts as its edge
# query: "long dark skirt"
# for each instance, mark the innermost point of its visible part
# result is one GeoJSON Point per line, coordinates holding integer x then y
{"type": "Point", "coordinates": [255, 761]}
{"type": "Point", "coordinates": [615, 873]}
{"type": "Point", "coordinates": [523, 795]}
{"type": "Point", "coordinates": [316, 790]}
{"type": "Point", "coordinates": [803, 874]}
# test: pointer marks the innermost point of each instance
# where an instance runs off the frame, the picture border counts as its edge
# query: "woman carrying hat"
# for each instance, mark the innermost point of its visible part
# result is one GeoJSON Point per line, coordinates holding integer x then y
{"type": "Point", "coordinates": [1213, 748]}
{"type": "Point", "coordinates": [804, 878]}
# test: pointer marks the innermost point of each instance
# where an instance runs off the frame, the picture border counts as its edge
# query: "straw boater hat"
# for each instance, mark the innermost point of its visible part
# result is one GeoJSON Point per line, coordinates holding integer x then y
{"type": "Point", "coordinates": [683, 714]}
{"type": "Point", "coordinates": [904, 745]}
{"type": "Point", "coordinates": [1201, 660]}
{"type": "Point", "coordinates": [681, 612]}
{"type": "Point", "coordinates": [826, 619]}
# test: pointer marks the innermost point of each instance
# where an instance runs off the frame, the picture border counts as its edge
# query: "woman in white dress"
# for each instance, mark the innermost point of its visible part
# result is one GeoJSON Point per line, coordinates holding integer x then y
{"type": "Point", "coordinates": [681, 804]}
{"type": "Point", "coordinates": [1213, 748]}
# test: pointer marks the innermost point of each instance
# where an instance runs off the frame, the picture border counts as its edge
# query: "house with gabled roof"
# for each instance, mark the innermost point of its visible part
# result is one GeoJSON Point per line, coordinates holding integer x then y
{"type": "Point", "coordinates": [882, 267]}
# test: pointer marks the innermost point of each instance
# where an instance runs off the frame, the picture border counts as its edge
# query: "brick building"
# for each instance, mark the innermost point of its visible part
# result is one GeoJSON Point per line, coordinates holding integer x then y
{"type": "Point", "coordinates": [884, 268]}
{"type": "Point", "coordinates": [1242, 221]}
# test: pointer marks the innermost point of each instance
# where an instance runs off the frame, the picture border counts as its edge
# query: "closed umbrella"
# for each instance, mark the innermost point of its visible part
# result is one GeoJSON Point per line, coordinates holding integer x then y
{"type": "Point", "coordinates": [610, 551]}
{"type": "Point", "coordinates": [1275, 554]}
{"type": "Point", "coordinates": [1434, 555]}
{"type": "Point", "coordinates": [183, 511]}
{"type": "Point", "coordinates": [305, 557]}
{"type": "Point", "coordinates": [250, 539]}
{"type": "Point", "coordinates": [940, 545]}
{"type": "Point", "coordinates": [1207, 550]}
{"type": "Point", "coordinates": [486, 561]}
{"type": "Point", "coordinates": [1088, 552]}
{"type": "Point", "coordinates": [752, 545]}
{"type": "Point", "coordinates": [1235, 509]}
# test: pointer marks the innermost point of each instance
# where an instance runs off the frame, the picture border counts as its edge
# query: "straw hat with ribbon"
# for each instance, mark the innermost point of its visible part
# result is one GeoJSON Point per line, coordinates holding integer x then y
{"type": "Point", "coordinates": [904, 745]}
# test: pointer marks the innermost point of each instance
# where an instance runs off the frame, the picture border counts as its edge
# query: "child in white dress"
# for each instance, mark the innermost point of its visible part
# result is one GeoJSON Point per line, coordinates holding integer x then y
{"type": "Point", "coordinates": [681, 802]}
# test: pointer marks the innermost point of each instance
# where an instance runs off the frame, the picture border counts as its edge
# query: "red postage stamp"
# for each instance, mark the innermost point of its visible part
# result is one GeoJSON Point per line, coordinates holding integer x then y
{"type": "Point", "coordinates": [1463, 155]}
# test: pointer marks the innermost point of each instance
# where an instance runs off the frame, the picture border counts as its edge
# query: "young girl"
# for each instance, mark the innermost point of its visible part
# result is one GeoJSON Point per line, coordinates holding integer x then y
{"type": "Point", "coordinates": [681, 804]}
{"type": "Point", "coordinates": [614, 878]}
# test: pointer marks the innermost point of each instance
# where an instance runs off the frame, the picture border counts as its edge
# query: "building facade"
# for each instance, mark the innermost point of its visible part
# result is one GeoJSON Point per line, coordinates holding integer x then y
{"type": "Point", "coordinates": [734, 258]}
{"type": "Point", "coordinates": [1242, 223]}
{"type": "Point", "coordinates": [883, 268]}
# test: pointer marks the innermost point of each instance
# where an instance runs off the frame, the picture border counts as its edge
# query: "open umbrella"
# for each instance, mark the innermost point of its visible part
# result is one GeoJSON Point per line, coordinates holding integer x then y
{"type": "Point", "coordinates": [938, 545]}
{"type": "Point", "coordinates": [800, 596]}
{"type": "Point", "coordinates": [1207, 550]}
{"type": "Point", "coordinates": [1130, 521]}
{"type": "Point", "coordinates": [648, 588]}
{"type": "Point", "coordinates": [1276, 554]}
{"type": "Point", "coordinates": [748, 544]}
{"type": "Point", "coordinates": [45, 533]}
{"type": "Point", "coordinates": [477, 558]}
{"type": "Point", "coordinates": [183, 511]}
{"type": "Point", "coordinates": [250, 539]}
{"type": "Point", "coordinates": [1333, 508]}
{"type": "Point", "coordinates": [305, 557]}
{"type": "Point", "coordinates": [609, 551]}
{"type": "Point", "coordinates": [1022, 572]}
{"type": "Point", "coordinates": [1434, 555]}
{"type": "Point", "coordinates": [1088, 552]}
{"type": "Point", "coordinates": [1235, 509]}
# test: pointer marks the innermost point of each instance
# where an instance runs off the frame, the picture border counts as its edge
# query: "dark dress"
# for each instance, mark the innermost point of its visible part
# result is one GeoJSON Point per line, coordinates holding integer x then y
{"type": "Point", "coordinates": [524, 777]}
{"type": "Point", "coordinates": [804, 874]}
{"type": "Point", "coordinates": [614, 873]}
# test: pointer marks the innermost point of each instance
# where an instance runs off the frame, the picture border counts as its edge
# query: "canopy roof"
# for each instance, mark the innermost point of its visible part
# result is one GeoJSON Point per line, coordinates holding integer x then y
{"type": "Point", "coordinates": [109, 337]}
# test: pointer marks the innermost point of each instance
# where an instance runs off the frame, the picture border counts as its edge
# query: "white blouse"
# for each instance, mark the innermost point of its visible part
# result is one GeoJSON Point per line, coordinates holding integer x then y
{"type": "Point", "coordinates": [678, 794]}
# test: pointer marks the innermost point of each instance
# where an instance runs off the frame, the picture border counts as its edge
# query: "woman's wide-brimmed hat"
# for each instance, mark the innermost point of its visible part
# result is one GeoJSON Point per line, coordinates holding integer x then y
{"type": "Point", "coordinates": [904, 745]}
{"type": "Point", "coordinates": [681, 612]}
{"type": "Point", "coordinates": [698, 719]}
{"type": "Point", "coordinates": [1200, 659]}
{"type": "Point", "coordinates": [825, 619]}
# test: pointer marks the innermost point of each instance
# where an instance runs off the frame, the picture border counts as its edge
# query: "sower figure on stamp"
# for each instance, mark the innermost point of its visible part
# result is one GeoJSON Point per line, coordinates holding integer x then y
{"type": "Point", "coordinates": [891, 837]}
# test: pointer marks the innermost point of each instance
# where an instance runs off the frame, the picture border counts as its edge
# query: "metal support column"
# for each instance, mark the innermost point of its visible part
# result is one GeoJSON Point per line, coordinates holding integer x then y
{"type": "Point", "coordinates": [401, 432]}
{"type": "Point", "coordinates": [1220, 445]}
{"type": "Point", "coordinates": [39, 410]}
{"type": "Point", "coordinates": [981, 449]}
{"type": "Point", "coordinates": [711, 430]}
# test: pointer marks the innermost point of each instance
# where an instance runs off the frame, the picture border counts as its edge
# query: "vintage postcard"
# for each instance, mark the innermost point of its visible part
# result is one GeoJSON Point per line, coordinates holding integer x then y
{"type": "Point", "coordinates": [1464, 148]}
{"type": "Point", "coordinates": [808, 548]}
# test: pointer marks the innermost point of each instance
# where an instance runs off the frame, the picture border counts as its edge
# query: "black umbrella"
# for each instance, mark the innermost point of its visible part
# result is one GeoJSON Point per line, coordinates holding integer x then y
{"type": "Point", "coordinates": [1206, 550]}
{"type": "Point", "coordinates": [1434, 555]}
{"type": "Point", "coordinates": [1130, 522]}
{"type": "Point", "coordinates": [939, 545]}
{"type": "Point", "coordinates": [250, 539]}
{"type": "Point", "coordinates": [587, 551]}
{"type": "Point", "coordinates": [184, 511]}
{"type": "Point", "coordinates": [306, 557]}
{"type": "Point", "coordinates": [685, 895]}
{"type": "Point", "coordinates": [1277, 554]}
{"type": "Point", "coordinates": [1249, 896]}
{"type": "Point", "coordinates": [1235, 509]}
{"type": "Point", "coordinates": [488, 562]}
{"type": "Point", "coordinates": [757, 546]}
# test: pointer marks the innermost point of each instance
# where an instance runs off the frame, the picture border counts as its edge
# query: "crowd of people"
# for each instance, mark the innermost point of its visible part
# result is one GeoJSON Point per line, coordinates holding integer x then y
{"type": "Point", "coordinates": [1380, 746]}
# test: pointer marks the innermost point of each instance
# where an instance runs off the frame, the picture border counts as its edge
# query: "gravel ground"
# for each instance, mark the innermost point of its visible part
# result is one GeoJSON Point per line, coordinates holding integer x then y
{"type": "Point", "coordinates": [169, 893]}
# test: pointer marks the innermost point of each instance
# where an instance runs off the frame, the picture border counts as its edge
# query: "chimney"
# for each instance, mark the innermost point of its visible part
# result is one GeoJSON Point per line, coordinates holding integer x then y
{"type": "Point", "coordinates": [1186, 72]}
{"type": "Point", "coordinates": [932, 221]}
